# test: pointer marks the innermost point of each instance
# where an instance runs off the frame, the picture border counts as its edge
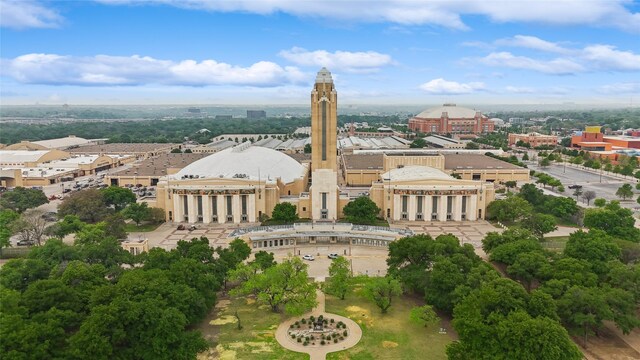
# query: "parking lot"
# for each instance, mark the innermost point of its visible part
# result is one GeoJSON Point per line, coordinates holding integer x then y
{"type": "Point", "coordinates": [604, 186]}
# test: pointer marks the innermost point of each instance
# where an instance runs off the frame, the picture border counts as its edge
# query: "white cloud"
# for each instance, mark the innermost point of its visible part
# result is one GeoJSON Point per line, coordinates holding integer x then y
{"type": "Point", "coordinates": [23, 14]}
{"type": "Point", "coordinates": [559, 66]}
{"type": "Point", "coordinates": [341, 60]}
{"type": "Point", "coordinates": [532, 42]}
{"type": "Point", "coordinates": [520, 89]}
{"type": "Point", "coordinates": [621, 88]}
{"type": "Point", "coordinates": [442, 86]}
{"type": "Point", "coordinates": [104, 70]}
{"type": "Point", "coordinates": [612, 13]}
{"type": "Point", "coordinates": [608, 58]}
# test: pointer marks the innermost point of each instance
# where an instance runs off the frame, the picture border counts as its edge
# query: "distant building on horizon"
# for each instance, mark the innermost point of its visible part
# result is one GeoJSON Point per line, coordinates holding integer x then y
{"type": "Point", "coordinates": [451, 119]}
{"type": "Point", "coordinates": [256, 114]}
{"type": "Point", "coordinates": [224, 117]}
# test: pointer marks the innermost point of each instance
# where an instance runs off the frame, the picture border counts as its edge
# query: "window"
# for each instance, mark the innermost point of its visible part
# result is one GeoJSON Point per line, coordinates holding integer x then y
{"type": "Point", "coordinates": [304, 208]}
{"type": "Point", "coordinates": [214, 206]}
{"type": "Point", "coordinates": [404, 216]}
{"type": "Point", "coordinates": [475, 177]}
{"type": "Point", "coordinates": [324, 130]}
{"type": "Point", "coordinates": [185, 205]}
{"type": "Point", "coordinates": [419, 216]}
{"type": "Point", "coordinates": [199, 203]}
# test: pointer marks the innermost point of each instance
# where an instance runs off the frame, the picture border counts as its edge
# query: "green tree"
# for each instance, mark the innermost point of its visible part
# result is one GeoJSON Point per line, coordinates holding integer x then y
{"type": "Point", "coordinates": [424, 315]}
{"type": "Point", "coordinates": [285, 285]}
{"type": "Point", "coordinates": [625, 191]}
{"type": "Point", "coordinates": [600, 202]}
{"type": "Point", "coordinates": [284, 212]}
{"type": "Point", "coordinates": [525, 157]}
{"type": "Point", "coordinates": [118, 197]}
{"type": "Point", "coordinates": [362, 210]}
{"type": "Point", "coordinates": [137, 212]}
{"type": "Point", "coordinates": [614, 220]}
{"type": "Point", "coordinates": [540, 224]}
{"type": "Point", "coordinates": [510, 209]}
{"type": "Point", "coordinates": [88, 205]}
{"type": "Point", "coordinates": [382, 290]}
{"type": "Point", "coordinates": [583, 310]}
{"type": "Point", "coordinates": [307, 148]}
{"type": "Point", "coordinates": [418, 143]}
{"type": "Point", "coordinates": [339, 277]}
{"type": "Point", "coordinates": [7, 218]}
{"type": "Point", "coordinates": [264, 260]}
{"type": "Point", "coordinates": [21, 199]}
{"type": "Point", "coordinates": [577, 193]}
{"type": "Point", "coordinates": [544, 162]}
{"type": "Point", "coordinates": [560, 206]}
{"type": "Point", "coordinates": [176, 151]}
{"type": "Point", "coordinates": [510, 184]}
{"type": "Point", "coordinates": [530, 266]}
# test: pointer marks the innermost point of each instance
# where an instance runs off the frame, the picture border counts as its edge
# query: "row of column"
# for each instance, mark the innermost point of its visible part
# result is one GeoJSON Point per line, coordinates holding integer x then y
{"type": "Point", "coordinates": [228, 208]}
{"type": "Point", "coordinates": [427, 211]}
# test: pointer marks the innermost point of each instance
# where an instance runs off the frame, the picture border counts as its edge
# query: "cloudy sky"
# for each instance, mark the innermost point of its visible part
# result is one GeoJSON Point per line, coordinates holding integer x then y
{"type": "Point", "coordinates": [259, 51]}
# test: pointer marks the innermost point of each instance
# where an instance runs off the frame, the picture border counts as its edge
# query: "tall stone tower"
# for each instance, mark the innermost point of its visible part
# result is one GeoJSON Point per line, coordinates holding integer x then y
{"type": "Point", "coordinates": [324, 164]}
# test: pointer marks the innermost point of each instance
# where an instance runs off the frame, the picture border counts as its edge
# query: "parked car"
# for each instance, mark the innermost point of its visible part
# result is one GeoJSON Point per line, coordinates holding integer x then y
{"type": "Point", "coordinates": [50, 216]}
{"type": "Point", "coordinates": [333, 256]}
{"type": "Point", "coordinates": [66, 190]}
{"type": "Point", "coordinates": [25, 242]}
{"type": "Point", "coordinates": [308, 257]}
{"type": "Point", "coordinates": [181, 227]}
{"type": "Point", "coordinates": [575, 186]}
{"type": "Point", "coordinates": [53, 197]}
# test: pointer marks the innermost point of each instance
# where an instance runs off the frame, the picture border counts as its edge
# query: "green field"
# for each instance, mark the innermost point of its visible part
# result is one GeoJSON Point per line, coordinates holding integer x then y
{"type": "Point", "coordinates": [255, 341]}
{"type": "Point", "coordinates": [555, 243]}
{"type": "Point", "coordinates": [391, 335]}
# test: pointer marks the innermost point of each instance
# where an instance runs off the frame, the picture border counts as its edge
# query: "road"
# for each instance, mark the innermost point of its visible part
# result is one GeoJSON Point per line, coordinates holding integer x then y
{"type": "Point", "coordinates": [604, 186]}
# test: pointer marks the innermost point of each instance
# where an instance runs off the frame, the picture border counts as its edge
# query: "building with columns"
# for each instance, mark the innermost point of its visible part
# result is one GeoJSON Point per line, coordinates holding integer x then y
{"type": "Point", "coordinates": [423, 193]}
{"type": "Point", "coordinates": [242, 183]}
{"type": "Point", "coordinates": [236, 185]}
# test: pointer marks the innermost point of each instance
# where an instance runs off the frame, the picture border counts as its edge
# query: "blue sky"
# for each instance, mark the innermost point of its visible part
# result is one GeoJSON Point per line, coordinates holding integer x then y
{"type": "Point", "coordinates": [380, 52]}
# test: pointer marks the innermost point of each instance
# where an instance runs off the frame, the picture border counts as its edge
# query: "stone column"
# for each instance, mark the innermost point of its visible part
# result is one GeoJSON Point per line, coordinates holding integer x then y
{"type": "Point", "coordinates": [191, 205]}
{"type": "Point", "coordinates": [428, 204]}
{"type": "Point", "coordinates": [442, 208]}
{"type": "Point", "coordinates": [206, 209]}
{"type": "Point", "coordinates": [177, 208]}
{"type": "Point", "coordinates": [397, 206]}
{"type": "Point", "coordinates": [251, 207]}
{"type": "Point", "coordinates": [412, 208]}
{"type": "Point", "coordinates": [472, 205]}
{"type": "Point", "coordinates": [236, 209]}
{"type": "Point", "coordinates": [457, 208]}
{"type": "Point", "coordinates": [222, 209]}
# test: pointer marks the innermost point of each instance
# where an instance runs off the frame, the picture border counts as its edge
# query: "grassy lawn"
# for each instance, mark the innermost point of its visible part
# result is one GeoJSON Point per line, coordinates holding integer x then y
{"type": "Point", "coordinates": [255, 341]}
{"type": "Point", "coordinates": [142, 228]}
{"type": "Point", "coordinates": [555, 243]}
{"type": "Point", "coordinates": [387, 336]}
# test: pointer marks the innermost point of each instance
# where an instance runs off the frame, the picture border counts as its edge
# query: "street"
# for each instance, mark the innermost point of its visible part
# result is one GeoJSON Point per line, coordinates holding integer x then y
{"type": "Point", "coordinates": [604, 186]}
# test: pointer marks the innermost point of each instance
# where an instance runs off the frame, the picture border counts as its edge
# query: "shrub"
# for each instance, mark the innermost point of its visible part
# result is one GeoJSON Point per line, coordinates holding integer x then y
{"type": "Point", "coordinates": [341, 338]}
{"type": "Point", "coordinates": [344, 333]}
{"type": "Point", "coordinates": [335, 340]}
{"type": "Point", "coordinates": [322, 342]}
{"type": "Point", "coordinates": [293, 336]}
{"type": "Point", "coordinates": [299, 339]}
{"type": "Point", "coordinates": [305, 343]}
{"type": "Point", "coordinates": [304, 321]}
{"type": "Point", "coordinates": [332, 321]}
{"type": "Point", "coordinates": [298, 326]}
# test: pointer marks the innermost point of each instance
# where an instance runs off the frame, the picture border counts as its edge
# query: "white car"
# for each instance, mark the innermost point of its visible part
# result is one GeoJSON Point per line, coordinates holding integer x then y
{"type": "Point", "coordinates": [333, 256]}
{"type": "Point", "coordinates": [308, 257]}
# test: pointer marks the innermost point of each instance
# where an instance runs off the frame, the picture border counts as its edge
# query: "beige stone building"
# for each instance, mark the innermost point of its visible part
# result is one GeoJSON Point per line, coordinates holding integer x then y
{"type": "Point", "coordinates": [149, 171]}
{"type": "Point", "coordinates": [137, 150]}
{"type": "Point", "coordinates": [422, 193]}
{"type": "Point", "coordinates": [242, 183]}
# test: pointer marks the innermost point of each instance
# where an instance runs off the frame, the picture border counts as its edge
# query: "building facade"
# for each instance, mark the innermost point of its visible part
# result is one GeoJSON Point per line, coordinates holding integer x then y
{"type": "Point", "coordinates": [534, 139]}
{"type": "Point", "coordinates": [451, 119]}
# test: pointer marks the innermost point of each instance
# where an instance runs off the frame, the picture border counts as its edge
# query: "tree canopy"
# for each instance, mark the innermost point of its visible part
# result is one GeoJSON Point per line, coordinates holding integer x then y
{"type": "Point", "coordinates": [21, 199]}
{"type": "Point", "coordinates": [362, 210]}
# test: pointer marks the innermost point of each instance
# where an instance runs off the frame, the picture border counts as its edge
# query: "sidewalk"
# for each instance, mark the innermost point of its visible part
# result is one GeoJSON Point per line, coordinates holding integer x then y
{"type": "Point", "coordinates": [319, 352]}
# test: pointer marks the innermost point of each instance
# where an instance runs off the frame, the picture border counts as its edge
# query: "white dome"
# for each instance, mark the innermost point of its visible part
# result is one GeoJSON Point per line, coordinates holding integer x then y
{"type": "Point", "coordinates": [453, 111]}
{"type": "Point", "coordinates": [245, 162]}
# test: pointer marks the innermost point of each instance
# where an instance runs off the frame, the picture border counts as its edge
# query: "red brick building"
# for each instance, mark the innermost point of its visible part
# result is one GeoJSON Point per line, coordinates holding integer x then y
{"type": "Point", "coordinates": [452, 119]}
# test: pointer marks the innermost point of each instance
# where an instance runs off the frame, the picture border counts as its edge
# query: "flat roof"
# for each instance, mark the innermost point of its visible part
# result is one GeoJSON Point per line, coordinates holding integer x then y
{"type": "Point", "coordinates": [62, 142]}
{"type": "Point", "coordinates": [364, 162]}
{"type": "Point", "coordinates": [21, 156]}
{"type": "Point", "coordinates": [157, 165]}
{"type": "Point", "coordinates": [470, 161]}
{"type": "Point", "coordinates": [122, 148]}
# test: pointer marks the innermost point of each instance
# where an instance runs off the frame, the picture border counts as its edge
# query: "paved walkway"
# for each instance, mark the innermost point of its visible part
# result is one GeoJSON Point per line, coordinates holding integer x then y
{"type": "Point", "coordinates": [319, 352]}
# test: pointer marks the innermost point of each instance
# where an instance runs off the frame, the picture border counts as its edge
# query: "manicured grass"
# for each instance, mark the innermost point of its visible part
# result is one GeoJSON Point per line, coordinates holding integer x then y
{"type": "Point", "coordinates": [391, 335]}
{"type": "Point", "coordinates": [142, 228]}
{"type": "Point", "coordinates": [555, 243]}
{"type": "Point", "coordinates": [256, 340]}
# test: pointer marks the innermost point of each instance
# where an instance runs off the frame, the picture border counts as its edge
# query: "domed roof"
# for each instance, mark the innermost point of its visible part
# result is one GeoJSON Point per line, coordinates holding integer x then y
{"type": "Point", "coordinates": [245, 162]}
{"type": "Point", "coordinates": [453, 111]}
